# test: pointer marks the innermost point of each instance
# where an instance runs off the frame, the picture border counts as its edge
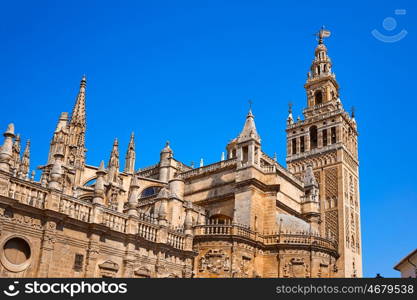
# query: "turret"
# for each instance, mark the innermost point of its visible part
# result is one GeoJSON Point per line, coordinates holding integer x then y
{"type": "Point", "coordinates": [188, 221]}
{"type": "Point", "coordinates": [163, 196]}
{"type": "Point", "coordinates": [99, 190]}
{"type": "Point", "coordinates": [165, 163]}
{"type": "Point", "coordinates": [134, 196]}
{"type": "Point", "coordinates": [7, 148]}
{"type": "Point", "coordinates": [55, 176]}
{"type": "Point", "coordinates": [248, 144]}
{"type": "Point", "coordinates": [310, 204]}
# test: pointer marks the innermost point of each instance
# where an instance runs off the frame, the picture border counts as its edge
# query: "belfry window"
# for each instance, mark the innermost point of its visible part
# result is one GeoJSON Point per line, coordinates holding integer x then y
{"type": "Point", "coordinates": [294, 146]}
{"type": "Point", "coordinates": [313, 137]}
{"type": "Point", "coordinates": [324, 137]}
{"type": "Point", "coordinates": [302, 145]}
{"type": "Point", "coordinates": [245, 154]}
{"type": "Point", "coordinates": [333, 135]}
{"type": "Point", "coordinates": [318, 97]}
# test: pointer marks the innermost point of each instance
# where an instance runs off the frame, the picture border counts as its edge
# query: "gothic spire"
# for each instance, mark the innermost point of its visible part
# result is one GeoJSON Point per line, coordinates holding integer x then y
{"type": "Point", "coordinates": [130, 155]}
{"type": "Point", "coordinates": [249, 129]}
{"type": "Point", "coordinates": [114, 164]}
{"type": "Point", "coordinates": [78, 112]}
{"type": "Point", "coordinates": [16, 153]}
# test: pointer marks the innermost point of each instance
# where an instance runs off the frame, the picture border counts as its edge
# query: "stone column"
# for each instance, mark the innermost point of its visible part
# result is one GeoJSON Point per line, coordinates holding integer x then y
{"type": "Point", "coordinates": [92, 255]}
{"type": "Point", "coordinates": [319, 138]}
{"type": "Point", "coordinates": [47, 248]}
{"type": "Point", "coordinates": [129, 260]}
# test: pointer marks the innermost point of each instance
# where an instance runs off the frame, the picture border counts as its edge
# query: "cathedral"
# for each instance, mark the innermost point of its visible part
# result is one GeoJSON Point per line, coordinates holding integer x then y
{"type": "Point", "coordinates": [245, 216]}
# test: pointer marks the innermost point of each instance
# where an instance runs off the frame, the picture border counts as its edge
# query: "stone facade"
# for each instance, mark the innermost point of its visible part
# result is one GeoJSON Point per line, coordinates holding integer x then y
{"type": "Point", "coordinates": [244, 216]}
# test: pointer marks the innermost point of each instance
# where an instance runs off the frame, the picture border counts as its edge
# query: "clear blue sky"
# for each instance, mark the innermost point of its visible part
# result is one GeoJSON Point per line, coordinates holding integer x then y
{"type": "Point", "coordinates": [184, 71]}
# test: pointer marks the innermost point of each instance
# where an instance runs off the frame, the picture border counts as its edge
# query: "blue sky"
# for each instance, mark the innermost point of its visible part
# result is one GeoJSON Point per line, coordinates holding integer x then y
{"type": "Point", "coordinates": [184, 71]}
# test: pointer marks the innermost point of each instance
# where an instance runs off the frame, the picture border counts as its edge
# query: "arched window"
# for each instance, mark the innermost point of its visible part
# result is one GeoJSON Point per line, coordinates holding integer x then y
{"type": "Point", "coordinates": [313, 137]}
{"type": "Point", "coordinates": [150, 191]}
{"type": "Point", "coordinates": [318, 97]}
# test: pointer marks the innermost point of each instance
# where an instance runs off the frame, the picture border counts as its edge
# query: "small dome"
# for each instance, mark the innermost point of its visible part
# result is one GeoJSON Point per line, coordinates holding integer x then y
{"type": "Point", "coordinates": [167, 148]}
{"type": "Point", "coordinates": [292, 224]}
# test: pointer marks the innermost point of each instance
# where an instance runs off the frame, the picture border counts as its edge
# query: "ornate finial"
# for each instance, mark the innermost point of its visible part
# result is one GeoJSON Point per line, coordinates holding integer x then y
{"type": "Point", "coordinates": [323, 33]}
{"type": "Point", "coordinates": [250, 104]}
{"type": "Point", "coordinates": [353, 112]}
{"type": "Point", "coordinates": [275, 156]}
{"type": "Point", "coordinates": [167, 143]}
{"type": "Point", "coordinates": [192, 165]}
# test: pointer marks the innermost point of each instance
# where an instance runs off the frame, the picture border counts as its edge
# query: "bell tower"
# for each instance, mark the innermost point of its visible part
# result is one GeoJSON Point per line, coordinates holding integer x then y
{"type": "Point", "coordinates": [326, 140]}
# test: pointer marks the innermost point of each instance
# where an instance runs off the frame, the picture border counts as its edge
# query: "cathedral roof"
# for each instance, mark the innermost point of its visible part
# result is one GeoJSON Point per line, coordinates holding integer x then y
{"type": "Point", "coordinates": [292, 224]}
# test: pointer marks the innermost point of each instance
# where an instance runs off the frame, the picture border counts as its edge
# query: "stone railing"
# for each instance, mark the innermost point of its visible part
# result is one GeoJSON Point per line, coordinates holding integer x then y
{"type": "Point", "coordinates": [76, 209]}
{"type": "Point", "coordinates": [282, 239]}
{"type": "Point", "coordinates": [143, 225]}
{"type": "Point", "coordinates": [114, 220]}
{"type": "Point", "coordinates": [176, 239]}
{"type": "Point", "coordinates": [225, 229]}
{"type": "Point", "coordinates": [269, 169]}
{"type": "Point", "coordinates": [27, 192]}
{"type": "Point", "coordinates": [147, 231]}
{"type": "Point", "coordinates": [208, 169]}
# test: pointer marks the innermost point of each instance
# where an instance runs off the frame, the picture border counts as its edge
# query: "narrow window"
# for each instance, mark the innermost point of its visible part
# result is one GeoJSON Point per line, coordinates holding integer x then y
{"type": "Point", "coordinates": [318, 96]}
{"type": "Point", "coordinates": [245, 152]}
{"type": "Point", "coordinates": [333, 134]}
{"type": "Point", "coordinates": [78, 262]}
{"type": "Point", "coordinates": [324, 137]}
{"type": "Point", "coordinates": [294, 146]}
{"type": "Point", "coordinates": [313, 137]}
{"type": "Point", "coordinates": [302, 146]}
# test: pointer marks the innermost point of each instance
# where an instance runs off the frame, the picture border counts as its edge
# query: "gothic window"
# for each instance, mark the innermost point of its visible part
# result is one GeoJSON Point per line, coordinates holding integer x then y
{"type": "Point", "coordinates": [333, 135]}
{"type": "Point", "coordinates": [294, 146]}
{"type": "Point", "coordinates": [313, 137]}
{"type": "Point", "coordinates": [150, 191]}
{"type": "Point", "coordinates": [302, 146]}
{"type": "Point", "coordinates": [318, 97]}
{"type": "Point", "coordinates": [324, 137]}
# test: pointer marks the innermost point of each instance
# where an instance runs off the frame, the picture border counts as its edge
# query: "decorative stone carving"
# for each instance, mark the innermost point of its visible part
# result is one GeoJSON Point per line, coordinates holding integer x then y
{"type": "Point", "coordinates": [142, 272]}
{"type": "Point", "coordinates": [108, 268]}
{"type": "Point", "coordinates": [296, 267]}
{"type": "Point", "coordinates": [214, 261]}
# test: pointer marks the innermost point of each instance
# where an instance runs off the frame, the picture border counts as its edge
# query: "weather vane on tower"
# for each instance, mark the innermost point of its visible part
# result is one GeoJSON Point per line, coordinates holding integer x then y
{"type": "Point", "coordinates": [323, 33]}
